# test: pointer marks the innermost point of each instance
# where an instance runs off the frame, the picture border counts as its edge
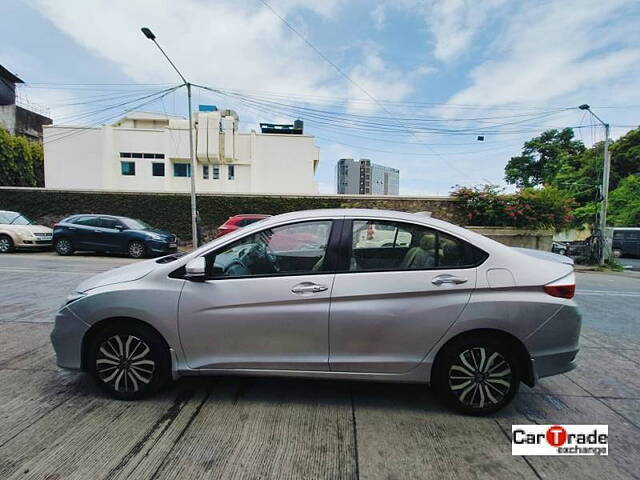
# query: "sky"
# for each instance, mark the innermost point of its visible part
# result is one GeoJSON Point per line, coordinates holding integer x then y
{"type": "Point", "coordinates": [406, 83]}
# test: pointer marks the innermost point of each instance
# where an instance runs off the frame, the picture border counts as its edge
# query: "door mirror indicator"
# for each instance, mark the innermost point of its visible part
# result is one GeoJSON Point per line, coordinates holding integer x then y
{"type": "Point", "coordinates": [195, 269]}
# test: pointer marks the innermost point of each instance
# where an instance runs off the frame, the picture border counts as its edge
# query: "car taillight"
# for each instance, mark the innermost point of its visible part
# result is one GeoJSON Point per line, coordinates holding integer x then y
{"type": "Point", "coordinates": [564, 287]}
{"type": "Point", "coordinates": [54, 225]}
{"type": "Point", "coordinates": [562, 291]}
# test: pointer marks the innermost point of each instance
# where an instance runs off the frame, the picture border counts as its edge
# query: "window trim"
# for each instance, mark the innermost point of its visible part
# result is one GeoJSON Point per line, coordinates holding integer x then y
{"type": "Point", "coordinates": [346, 247]}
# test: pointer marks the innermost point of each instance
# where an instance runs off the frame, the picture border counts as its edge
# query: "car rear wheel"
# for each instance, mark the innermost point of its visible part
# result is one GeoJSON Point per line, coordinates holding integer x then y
{"type": "Point", "coordinates": [6, 244]}
{"type": "Point", "coordinates": [477, 376]}
{"type": "Point", "coordinates": [64, 246]}
{"type": "Point", "coordinates": [137, 249]}
{"type": "Point", "coordinates": [129, 361]}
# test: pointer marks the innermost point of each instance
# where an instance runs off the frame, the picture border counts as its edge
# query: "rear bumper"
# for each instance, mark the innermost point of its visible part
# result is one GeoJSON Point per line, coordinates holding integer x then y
{"type": "Point", "coordinates": [66, 339]}
{"type": "Point", "coordinates": [554, 345]}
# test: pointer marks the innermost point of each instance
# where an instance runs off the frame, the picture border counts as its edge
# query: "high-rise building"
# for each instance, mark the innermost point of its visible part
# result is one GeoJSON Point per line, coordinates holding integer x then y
{"type": "Point", "coordinates": [361, 177]}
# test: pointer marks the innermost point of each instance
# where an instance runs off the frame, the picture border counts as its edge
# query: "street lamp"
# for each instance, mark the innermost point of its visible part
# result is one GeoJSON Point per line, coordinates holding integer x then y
{"type": "Point", "coordinates": [194, 222]}
{"type": "Point", "coordinates": [605, 182]}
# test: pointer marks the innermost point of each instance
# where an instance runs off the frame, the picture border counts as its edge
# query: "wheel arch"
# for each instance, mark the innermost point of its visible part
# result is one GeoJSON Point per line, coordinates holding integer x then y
{"type": "Point", "coordinates": [100, 325]}
{"type": "Point", "coordinates": [522, 354]}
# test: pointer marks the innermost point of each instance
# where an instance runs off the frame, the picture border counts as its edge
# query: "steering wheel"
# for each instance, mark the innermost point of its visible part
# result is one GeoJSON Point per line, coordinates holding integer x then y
{"type": "Point", "coordinates": [262, 258]}
{"type": "Point", "coordinates": [272, 257]}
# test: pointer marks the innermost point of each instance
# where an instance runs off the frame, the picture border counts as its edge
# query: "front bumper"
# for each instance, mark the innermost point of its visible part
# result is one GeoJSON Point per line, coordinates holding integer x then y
{"type": "Point", "coordinates": [66, 338]}
{"type": "Point", "coordinates": [159, 246]}
{"type": "Point", "coordinates": [553, 347]}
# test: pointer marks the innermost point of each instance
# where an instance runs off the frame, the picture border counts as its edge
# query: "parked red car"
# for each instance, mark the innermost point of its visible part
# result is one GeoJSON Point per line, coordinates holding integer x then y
{"type": "Point", "coordinates": [238, 221]}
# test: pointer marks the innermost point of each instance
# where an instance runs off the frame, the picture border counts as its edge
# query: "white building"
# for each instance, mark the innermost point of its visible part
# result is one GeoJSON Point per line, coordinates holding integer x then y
{"type": "Point", "coordinates": [150, 152]}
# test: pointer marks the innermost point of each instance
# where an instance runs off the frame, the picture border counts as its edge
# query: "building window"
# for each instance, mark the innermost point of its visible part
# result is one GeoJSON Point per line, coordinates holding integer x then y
{"type": "Point", "coordinates": [181, 170]}
{"type": "Point", "coordinates": [232, 172]}
{"type": "Point", "coordinates": [128, 168]}
{"type": "Point", "coordinates": [141, 155]}
{"type": "Point", "coordinates": [157, 169]}
{"type": "Point", "coordinates": [216, 172]}
{"type": "Point", "coordinates": [205, 171]}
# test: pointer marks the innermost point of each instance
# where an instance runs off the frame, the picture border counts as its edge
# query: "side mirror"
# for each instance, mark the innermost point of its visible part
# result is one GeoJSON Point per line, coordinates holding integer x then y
{"type": "Point", "coordinates": [195, 269]}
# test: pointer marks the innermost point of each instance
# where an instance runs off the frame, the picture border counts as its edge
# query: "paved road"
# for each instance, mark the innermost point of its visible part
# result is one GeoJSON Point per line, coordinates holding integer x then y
{"type": "Point", "coordinates": [57, 425]}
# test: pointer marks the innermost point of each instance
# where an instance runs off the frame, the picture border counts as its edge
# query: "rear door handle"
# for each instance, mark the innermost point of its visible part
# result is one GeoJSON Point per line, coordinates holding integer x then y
{"type": "Point", "coordinates": [308, 287]}
{"type": "Point", "coordinates": [448, 279]}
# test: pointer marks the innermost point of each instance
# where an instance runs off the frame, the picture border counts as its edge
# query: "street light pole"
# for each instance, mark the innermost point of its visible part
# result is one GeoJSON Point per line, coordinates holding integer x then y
{"type": "Point", "coordinates": [194, 211]}
{"type": "Point", "coordinates": [605, 183]}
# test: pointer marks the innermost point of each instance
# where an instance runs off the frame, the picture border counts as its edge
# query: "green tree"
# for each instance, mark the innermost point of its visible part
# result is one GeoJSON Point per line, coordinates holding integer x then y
{"type": "Point", "coordinates": [543, 157]}
{"type": "Point", "coordinates": [625, 157]}
{"type": "Point", "coordinates": [624, 203]}
{"type": "Point", "coordinates": [21, 161]}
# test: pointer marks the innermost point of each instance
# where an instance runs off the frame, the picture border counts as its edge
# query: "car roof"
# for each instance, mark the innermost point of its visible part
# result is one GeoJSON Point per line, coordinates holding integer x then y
{"type": "Point", "coordinates": [98, 215]}
{"type": "Point", "coordinates": [423, 218]}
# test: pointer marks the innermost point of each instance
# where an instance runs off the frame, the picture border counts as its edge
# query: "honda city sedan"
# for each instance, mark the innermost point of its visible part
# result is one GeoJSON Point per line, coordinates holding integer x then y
{"type": "Point", "coordinates": [433, 303]}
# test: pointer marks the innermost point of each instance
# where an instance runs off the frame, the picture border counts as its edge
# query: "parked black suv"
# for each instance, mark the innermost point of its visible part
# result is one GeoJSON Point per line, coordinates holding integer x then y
{"type": "Point", "coordinates": [108, 233]}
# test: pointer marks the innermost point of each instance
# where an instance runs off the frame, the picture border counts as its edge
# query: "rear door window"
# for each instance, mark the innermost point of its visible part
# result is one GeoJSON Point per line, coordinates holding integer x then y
{"type": "Point", "coordinates": [385, 245]}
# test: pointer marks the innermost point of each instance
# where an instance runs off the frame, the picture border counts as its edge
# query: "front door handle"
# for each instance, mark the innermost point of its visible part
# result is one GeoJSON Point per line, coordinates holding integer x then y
{"type": "Point", "coordinates": [308, 287]}
{"type": "Point", "coordinates": [448, 279]}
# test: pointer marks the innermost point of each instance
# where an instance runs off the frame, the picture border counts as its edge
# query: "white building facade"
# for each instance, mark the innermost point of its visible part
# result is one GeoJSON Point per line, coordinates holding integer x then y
{"type": "Point", "coordinates": [149, 152]}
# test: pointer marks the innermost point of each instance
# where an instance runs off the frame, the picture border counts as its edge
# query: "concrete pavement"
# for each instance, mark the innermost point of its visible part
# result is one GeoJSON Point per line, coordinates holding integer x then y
{"type": "Point", "coordinates": [59, 425]}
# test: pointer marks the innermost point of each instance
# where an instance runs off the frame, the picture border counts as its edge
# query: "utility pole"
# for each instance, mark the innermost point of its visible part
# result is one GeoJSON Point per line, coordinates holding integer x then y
{"type": "Point", "coordinates": [194, 211]}
{"type": "Point", "coordinates": [606, 169]}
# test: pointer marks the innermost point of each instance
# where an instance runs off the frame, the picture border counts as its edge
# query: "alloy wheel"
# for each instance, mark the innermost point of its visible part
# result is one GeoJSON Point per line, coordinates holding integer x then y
{"type": "Point", "coordinates": [5, 245]}
{"type": "Point", "coordinates": [63, 246]}
{"type": "Point", "coordinates": [480, 377]}
{"type": "Point", "coordinates": [136, 250]}
{"type": "Point", "coordinates": [124, 362]}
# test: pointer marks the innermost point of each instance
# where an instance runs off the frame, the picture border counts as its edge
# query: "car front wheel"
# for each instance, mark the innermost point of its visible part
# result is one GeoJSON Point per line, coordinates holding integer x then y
{"type": "Point", "coordinates": [137, 249]}
{"type": "Point", "coordinates": [6, 244]}
{"type": "Point", "coordinates": [477, 376]}
{"type": "Point", "coordinates": [129, 361]}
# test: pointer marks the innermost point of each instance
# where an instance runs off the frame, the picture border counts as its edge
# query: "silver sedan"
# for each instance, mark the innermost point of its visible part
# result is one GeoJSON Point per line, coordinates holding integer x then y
{"type": "Point", "coordinates": [345, 294]}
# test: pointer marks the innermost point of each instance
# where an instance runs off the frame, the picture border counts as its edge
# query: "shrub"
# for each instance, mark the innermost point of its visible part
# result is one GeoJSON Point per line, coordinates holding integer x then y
{"type": "Point", "coordinates": [531, 208]}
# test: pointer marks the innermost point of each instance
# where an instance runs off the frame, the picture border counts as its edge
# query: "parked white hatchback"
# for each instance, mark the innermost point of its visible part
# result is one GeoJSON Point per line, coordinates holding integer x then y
{"type": "Point", "coordinates": [17, 231]}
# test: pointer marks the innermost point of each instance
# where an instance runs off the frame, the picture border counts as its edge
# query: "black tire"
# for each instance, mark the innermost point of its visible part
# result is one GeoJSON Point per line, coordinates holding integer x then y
{"type": "Point", "coordinates": [6, 244]}
{"type": "Point", "coordinates": [129, 361]}
{"type": "Point", "coordinates": [64, 246]}
{"type": "Point", "coordinates": [137, 249]}
{"type": "Point", "coordinates": [481, 389]}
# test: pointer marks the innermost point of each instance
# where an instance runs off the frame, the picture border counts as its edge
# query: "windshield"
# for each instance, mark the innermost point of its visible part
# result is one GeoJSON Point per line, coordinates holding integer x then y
{"type": "Point", "coordinates": [7, 218]}
{"type": "Point", "coordinates": [135, 224]}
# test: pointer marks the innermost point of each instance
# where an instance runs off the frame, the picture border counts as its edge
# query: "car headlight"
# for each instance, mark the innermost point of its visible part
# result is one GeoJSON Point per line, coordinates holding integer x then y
{"type": "Point", "coordinates": [73, 297]}
{"type": "Point", "coordinates": [155, 236]}
{"type": "Point", "coordinates": [25, 234]}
